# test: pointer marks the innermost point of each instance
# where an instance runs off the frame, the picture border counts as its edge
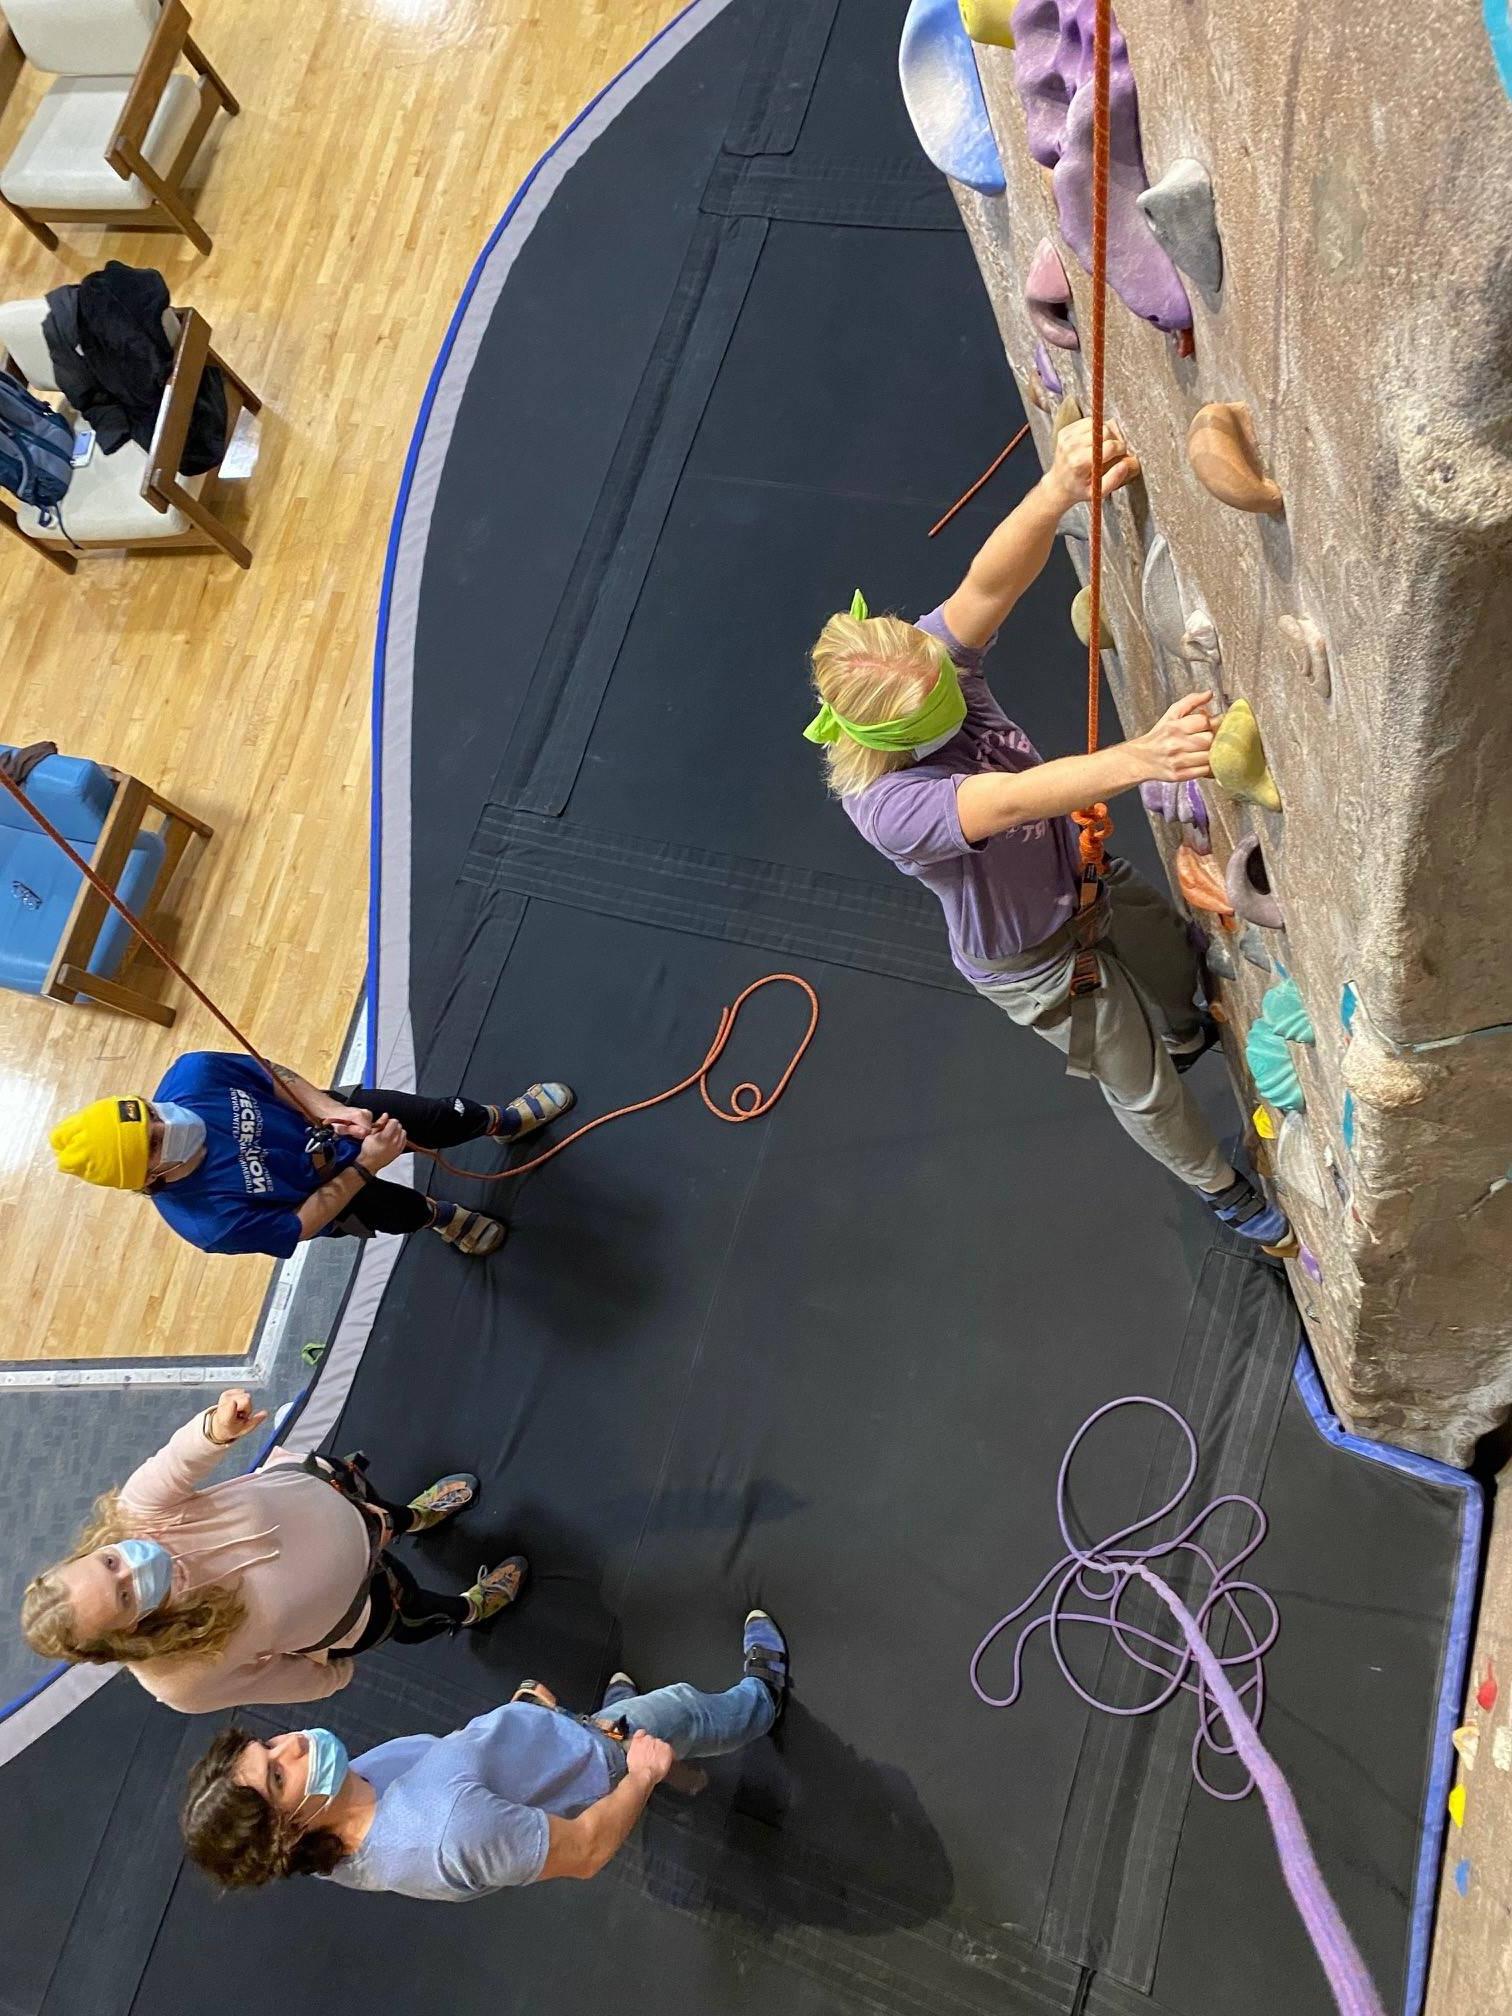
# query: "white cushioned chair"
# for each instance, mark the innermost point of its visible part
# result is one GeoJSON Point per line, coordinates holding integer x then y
{"type": "Point", "coordinates": [134, 498]}
{"type": "Point", "coordinates": [117, 132]}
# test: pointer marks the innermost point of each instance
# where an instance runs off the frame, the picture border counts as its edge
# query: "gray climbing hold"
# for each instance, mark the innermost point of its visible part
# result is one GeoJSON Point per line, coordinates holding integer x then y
{"type": "Point", "coordinates": [1161, 595]}
{"type": "Point", "coordinates": [1219, 960]}
{"type": "Point", "coordinates": [1181, 213]}
{"type": "Point", "coordinates": [1297, 1162]}
{"type": "Point", "coordinates": [1252, 945]}
{"type": "Point", "coordinates": [1249, 889]}
{"type": "Point", "coordinates": [1077, 523]}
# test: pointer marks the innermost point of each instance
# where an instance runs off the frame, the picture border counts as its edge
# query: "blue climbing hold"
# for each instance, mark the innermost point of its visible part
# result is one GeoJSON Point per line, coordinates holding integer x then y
{"type": "Point", "coordinates": [943, 92]}
{"type": "Point", "coordinates": [1349, 1002]}
{"type": "Point", "coordinates": [1499, 28]}
{"type": "Point", "coordinates": [1462, 1878]}
{"type": "Point", "coordinates": [1272, 1069]}
{"type": "Point", "coordinates": [1283, 1009]}
{"type": "Point", "coordinates": [1348, 1120]}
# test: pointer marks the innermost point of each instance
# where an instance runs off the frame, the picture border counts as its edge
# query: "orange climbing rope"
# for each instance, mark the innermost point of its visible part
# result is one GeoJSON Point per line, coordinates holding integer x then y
{"type": "Point", "coordinates": [1095, 827]}
{"type": "Point", "coordinates": [747, 1101]}
{"type": "Point", "coordinates": [985, 478]}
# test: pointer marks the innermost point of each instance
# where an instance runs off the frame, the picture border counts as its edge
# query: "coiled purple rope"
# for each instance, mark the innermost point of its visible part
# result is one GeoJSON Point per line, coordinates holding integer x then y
{"type": "Point", "coordinates": [1100, 1575]}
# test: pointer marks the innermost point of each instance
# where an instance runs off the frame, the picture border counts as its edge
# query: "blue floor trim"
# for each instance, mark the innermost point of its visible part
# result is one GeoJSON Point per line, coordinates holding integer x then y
{"type": "Point", "coordinates": [1457, 1646]}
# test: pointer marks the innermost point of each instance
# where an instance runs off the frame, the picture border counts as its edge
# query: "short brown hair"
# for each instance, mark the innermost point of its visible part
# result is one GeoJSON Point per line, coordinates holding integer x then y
{"type": "Point", "coordinates": [236, 1836]}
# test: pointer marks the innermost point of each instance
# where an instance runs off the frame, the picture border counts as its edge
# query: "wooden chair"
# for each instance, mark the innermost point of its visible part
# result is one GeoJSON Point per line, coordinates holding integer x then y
{"type": "Point", "coordinates": [64, 941]}
{"type": "Point", "coordinates": [115, 136]}
{"type": "Point", "coordinates": [134, 499]}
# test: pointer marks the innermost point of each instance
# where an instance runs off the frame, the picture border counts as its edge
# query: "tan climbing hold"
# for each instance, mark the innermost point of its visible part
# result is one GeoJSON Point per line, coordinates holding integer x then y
{"type": "Point", "coordinates": [1038, 393]}
{"type": "Point", "coordinates": [1067, 412]}
{"type": "Point", "coordinates": [1225, 459]}
{"type": "Point", "coordinates": [1238, 759]}
{"type": "Point", "coordinates": [1201, 881]}
{"type": "Point", "coordinates": [1309, 651]}
{"type": "Point", "coordinates": [1379, 1077]}
{"type": "Point", "coordinates": [1081, 622]}
{"type": "Point", "coordinates": [989, 21]}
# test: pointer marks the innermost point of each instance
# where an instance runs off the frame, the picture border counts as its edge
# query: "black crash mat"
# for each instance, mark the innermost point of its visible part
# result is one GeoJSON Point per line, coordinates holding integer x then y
{"type": "Point", "coordinates": [828, 1361]}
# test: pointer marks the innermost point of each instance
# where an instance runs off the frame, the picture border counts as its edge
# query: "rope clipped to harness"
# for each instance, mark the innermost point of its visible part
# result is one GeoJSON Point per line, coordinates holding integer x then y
{"type": "Point", "coordinates": [747, 1100]}
{"type": "Point", "coordinates": [1090, 1585]}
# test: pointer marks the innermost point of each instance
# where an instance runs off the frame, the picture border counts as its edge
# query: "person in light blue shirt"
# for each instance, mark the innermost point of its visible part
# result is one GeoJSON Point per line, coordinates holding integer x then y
{"type": "Point", "coordinates": [524, 1794]}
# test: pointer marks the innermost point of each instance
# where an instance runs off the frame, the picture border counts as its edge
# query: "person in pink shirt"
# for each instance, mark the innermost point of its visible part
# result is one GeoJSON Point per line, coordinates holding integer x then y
{"type": "Point", "coordinates": [260, 1588]}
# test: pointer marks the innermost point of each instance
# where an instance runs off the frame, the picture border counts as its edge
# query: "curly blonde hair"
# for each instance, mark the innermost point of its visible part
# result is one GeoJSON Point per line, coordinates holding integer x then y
{"type": "Point", "coordinates": [870, 668]}
{"type": "Point", "coordinates": [197, 1627]}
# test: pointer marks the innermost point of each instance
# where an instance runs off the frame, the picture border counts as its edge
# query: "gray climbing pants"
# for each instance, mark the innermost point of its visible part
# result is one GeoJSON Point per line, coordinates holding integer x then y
{"type": "Point", "coordinates": [1148, 993]}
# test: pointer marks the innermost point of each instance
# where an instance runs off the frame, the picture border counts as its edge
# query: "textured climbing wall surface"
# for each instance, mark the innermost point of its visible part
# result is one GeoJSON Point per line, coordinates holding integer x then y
{"type": "Point", "coordinates": [1362, 177]}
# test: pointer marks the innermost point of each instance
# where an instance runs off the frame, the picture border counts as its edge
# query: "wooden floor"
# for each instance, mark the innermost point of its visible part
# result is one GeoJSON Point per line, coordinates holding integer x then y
{"type": "Point", "coordinates": [378, 144]}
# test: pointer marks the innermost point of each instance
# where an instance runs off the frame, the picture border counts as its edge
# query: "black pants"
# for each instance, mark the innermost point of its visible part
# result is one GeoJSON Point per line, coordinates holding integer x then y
{"type": "Point", "coordinates": [433, 1123]}
{"type": "Point", "coordinates": [402, 1610]}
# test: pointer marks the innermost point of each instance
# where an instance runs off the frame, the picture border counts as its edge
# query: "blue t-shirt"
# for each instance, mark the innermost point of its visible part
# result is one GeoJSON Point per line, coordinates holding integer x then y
{"type": "Point", "coordinates": [459, 1816]}
{"type": "Point", "coordinates": [256, 1172]}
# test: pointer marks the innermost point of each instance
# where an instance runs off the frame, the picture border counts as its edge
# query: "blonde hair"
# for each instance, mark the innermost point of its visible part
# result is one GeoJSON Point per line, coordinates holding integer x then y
{"type": "Point", "coordinates": [196, 1627]}
{"type": "Point", "coordinates": [870, 669]}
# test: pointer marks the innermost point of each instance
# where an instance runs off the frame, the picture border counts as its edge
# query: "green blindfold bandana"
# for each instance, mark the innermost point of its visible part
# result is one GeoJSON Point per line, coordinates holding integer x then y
{"type": "Point", "coordinates": [941, 714]}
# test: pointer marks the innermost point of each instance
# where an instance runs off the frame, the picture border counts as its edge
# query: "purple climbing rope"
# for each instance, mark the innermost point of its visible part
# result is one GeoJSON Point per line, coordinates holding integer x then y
{"type": "Point", "coordinates": [1100, 1575]}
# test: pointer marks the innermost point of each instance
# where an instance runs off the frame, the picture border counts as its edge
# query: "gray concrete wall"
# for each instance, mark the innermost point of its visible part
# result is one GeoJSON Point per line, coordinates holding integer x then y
{"type": "Point", "coordinates": [1362, 165]}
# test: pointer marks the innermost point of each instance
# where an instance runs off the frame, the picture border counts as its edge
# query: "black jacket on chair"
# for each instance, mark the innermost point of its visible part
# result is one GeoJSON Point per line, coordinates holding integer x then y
{"type": "Point", "coordinates": [112, 358]}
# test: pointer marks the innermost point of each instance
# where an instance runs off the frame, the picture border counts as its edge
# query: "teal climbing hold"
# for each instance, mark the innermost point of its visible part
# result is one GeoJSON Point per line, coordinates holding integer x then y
{"type": "Point", "coordinates": [1499, 29]}
{"type": "Point", "coordinates": [1348, 1120]}
{"type": "Point", "coordinates": [943, 92]}
{"type": "Point", "coordinates": [1349, 1002]}
{"type": "Point", "coordinates": [1283, 1009]}
{"type": "Point", "coordinates": [1272, 1069]}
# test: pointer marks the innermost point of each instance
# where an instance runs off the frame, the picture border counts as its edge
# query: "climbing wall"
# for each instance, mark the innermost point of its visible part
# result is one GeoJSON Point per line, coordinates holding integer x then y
{"type": "Point", "coordinates": [1310, 348]}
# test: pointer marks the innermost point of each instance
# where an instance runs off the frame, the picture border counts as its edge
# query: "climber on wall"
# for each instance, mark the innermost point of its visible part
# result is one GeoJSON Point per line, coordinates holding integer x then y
{"type": "Point", "coordinates": [937, 778]}
{"type": "Point", "coordinates": [239, 1163]}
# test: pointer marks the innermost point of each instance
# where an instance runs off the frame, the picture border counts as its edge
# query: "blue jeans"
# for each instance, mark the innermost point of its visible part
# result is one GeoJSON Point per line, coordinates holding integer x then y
{"type": "Point", "coordinates": [697, 1724]}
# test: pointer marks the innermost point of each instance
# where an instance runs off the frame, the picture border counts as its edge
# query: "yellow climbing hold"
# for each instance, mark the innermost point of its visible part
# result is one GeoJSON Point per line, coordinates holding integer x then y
{"type": "Point", "coordinates": [989, 21]}
{"type": "Point", "coordinates": [1238, 758]}
{"type": "Point", "coordinates": [1265, 1127]}
{"type": "Point", "coordinates": [1457, 1805]}
{"type": "Point", "coordinates": [1081, 622]}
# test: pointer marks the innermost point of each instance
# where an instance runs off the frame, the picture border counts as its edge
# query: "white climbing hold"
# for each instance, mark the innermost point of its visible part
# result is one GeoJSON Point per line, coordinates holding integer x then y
{"type": "Point", "coordinates": [1309, 651]}
{"type": "Point", "coordinates": [1184, 220]}
{"type": "Point", "coordinates": [943, 93]}
{"type": "Point", "coordinates": [1297, 1164]}
{"type": "Point", "coordinates": [1199, 641]}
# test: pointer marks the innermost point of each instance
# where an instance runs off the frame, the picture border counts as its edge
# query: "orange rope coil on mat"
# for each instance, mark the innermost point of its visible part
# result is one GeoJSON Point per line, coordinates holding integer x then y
{"type": "Point", "coordinates": [747, 1101]}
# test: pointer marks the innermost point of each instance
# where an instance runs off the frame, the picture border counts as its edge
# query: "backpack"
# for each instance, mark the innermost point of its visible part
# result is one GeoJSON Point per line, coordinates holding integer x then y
{"type": "Point", "coordinates": [36, 446]}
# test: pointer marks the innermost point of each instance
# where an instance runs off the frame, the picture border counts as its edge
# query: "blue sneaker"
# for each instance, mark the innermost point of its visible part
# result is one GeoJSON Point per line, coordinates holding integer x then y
{"type": "Point", "coordinates": [1246, 1211]}
{"type": "Point", "coordinates": [765, 1656]}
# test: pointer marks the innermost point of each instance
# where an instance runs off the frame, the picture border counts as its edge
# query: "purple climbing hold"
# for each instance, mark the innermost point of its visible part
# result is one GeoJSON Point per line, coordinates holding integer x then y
{"type": "Point", "coordinates": [1050, 378]}
{"type": "Point", "coordinates": [1307, 1260]}
{"type": "Point", "coordinates": [1047, 296]}
{"type": "Point", "coordinates": [1159, 800]}
{"type": "Point", "coordinates": [1053, 70]}
{"type": "Point", "coordinates": [1191, 808]}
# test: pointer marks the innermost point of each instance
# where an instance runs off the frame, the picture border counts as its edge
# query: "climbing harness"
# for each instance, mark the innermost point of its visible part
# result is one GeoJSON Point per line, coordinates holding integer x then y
{"type": "Point", "coordinates": [1090, 1586]}
{"type": "Point", "coordinates": [747, 1100]}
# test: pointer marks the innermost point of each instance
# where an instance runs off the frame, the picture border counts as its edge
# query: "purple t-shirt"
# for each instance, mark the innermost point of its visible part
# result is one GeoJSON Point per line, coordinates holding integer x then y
{"type": "Point", "coordinates": [1001, 896]}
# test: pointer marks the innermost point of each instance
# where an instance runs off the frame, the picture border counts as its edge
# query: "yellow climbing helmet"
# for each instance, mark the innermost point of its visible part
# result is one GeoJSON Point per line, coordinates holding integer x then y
{"type": "Point", "coordinates": [105, 1143]}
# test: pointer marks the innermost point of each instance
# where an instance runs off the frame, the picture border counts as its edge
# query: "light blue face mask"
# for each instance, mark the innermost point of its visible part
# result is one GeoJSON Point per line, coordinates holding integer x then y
{"type": "Point", "coordinates": [183, 1133]}
{"type": "Point", "coordinates": [327, 1768]}
{"type": "Point", "coordinates": [151, 1568]}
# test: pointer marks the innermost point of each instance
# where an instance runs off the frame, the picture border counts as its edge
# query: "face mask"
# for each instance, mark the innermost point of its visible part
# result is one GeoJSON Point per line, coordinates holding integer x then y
{"type": "Point", "coordinates": [183, 1133]}
{"type": "Point", "coordinates": [327, 1766]}
{"type": "Point", "coordinates": [151, 1568]}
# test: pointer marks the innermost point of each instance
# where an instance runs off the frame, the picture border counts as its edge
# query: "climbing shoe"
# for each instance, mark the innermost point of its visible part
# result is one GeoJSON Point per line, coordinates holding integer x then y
{"type": "Point", "coordinates": [1246, 1211]}
{"type": "Point", "coordinates": [765, 1656]}
{"type": "Point", "coordinates": [1208, 1035]}
{"type": "Point", "coordinates": [471, 1232]}
{"type": "Point", "coordinates": [496, 1588]}
{"type": "Point", "coordinates": [442, 1500]}
{"type": "Point", "coordinates": [536, 1107]}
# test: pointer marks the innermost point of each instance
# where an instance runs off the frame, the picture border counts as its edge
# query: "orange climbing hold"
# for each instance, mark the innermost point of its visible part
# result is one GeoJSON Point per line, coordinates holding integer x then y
{"type": "Point", "coordinates": [1201, 883]}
